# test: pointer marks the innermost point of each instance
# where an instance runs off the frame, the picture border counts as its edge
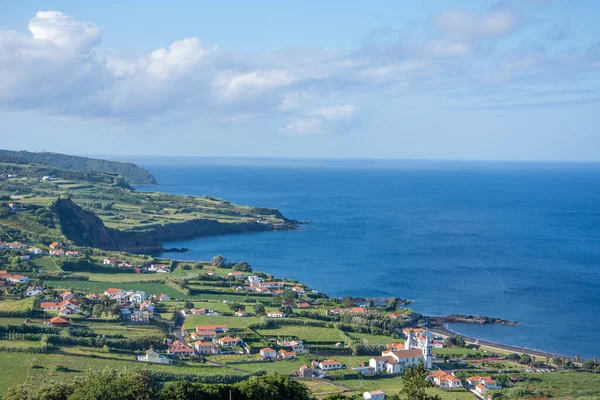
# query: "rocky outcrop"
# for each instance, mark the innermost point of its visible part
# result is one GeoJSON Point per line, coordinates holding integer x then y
{"type": "Point", "coordinates": [478, 319]}
{"type": "Point", "coordinates": [85, 228]}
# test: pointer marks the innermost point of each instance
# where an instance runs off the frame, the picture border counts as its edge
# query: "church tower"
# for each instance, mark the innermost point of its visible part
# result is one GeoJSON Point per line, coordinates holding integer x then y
{"type": "Point", "coordinates": [408, 344]}
{"type": "Point", "coordinates": [427, 353]}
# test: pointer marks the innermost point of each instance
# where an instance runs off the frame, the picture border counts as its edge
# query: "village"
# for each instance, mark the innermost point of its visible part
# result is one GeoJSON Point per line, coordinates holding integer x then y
{"type": "Point", "coordinates": [220, 316]}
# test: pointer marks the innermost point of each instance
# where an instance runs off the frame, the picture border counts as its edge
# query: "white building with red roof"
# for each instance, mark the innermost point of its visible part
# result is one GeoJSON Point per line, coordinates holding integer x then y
{"type": "Point", "coordinates": [374, 395]}
{"type": "Point", "coordinates": [179, 348]}
{"type": "Point", "coordinates": [206, 348]}
{"type": "Point", "coordinates": [444, 380]}
{"type": "Point", "coordinates": [286, 355]}
{"type": "Point", "coordinates": [327, 365]}
{"type": "Point", "coordinates": [268, 352]}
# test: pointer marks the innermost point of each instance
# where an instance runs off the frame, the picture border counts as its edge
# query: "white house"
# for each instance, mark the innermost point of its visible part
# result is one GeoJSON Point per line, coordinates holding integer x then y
{"type": "Point", "coordinates": [327, 365]}
{"type": "Point", "coordinates": [57, 252]}
{"type": "Point", "coordinates": [18, 279]}
{"type": "Point", "coordinates": [114, 293]}
{"type": "Point", "coordinates": [33, 291]}
{"type": "Point", "coordinates": [236, 274]}
{"type": "Point", "coordinates": [298, 289]}
{"type": "Point", "coordinates": [153, 357]}
{"type": "Point", "coordinates": [444, 380]}
{"type": "Point", "coordinates": [206, 348]}
{"type": "Point", "coordinates": [374, 395]}
{"type": "Point", "coordinates": [481, 389]}
{"type": "Point", "coordinates": [111, 261]}
{"type": "Point", "coordinates": [254, 280]}
{"type": "Point", "coordinates": [35, 251]}
{"type": "Point", "coordinates": [275, 314]}
{"type": "Point", "coordinates": [487, 381]}
{"type": "Point", "coordinates": [179, 348]}
{"type": "Point", "coordinates": [138, 297]}
{"type": "Point", "coordinates": [296, 345]}
{"type": "Point", "coordinates": [229, 341]}
{"type": "Point", "coordinates": [268, 352]}
{"type": "Point", "coordinates": [286, 355]}
{"type": "Point", "coordinates": [162, 297]}
{"type": "Point", "coordinates": [25, 257]}
{"type": "Point", "coordinates": [241, 313]}
{"type": "Point", "coordinates": [395, 361]}
{"type": "Point", "coordinates": [147, 305]}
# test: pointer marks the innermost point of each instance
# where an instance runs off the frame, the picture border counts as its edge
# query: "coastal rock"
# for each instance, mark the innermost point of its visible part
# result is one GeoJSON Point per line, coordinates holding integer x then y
{"type": "Point", "coordinates": [478, 319]}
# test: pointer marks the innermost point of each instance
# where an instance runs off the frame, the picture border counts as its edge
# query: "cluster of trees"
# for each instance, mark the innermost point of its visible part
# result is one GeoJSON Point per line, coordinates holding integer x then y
{"type": "Point", "coordinates": [454, 341]}
{"type": "Point", "coordinates": [143, 385]}
{"type": "Point", "coordinates": [221, 262]}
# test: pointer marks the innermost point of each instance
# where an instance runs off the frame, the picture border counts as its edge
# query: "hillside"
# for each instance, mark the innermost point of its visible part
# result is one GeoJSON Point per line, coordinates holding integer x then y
{"type": "Point", "coordinates": [133, 174]}
{"type": "Point", "coordinates": [101, 210]}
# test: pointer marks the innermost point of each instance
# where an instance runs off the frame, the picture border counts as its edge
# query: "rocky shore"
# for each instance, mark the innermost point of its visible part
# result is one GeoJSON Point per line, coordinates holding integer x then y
{"type": "Point", "coordinates": [478, 319]}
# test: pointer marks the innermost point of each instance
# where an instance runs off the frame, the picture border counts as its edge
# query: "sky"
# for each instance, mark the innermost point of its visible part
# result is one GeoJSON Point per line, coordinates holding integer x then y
{"type": "Point", "coordinates": [477, 80]}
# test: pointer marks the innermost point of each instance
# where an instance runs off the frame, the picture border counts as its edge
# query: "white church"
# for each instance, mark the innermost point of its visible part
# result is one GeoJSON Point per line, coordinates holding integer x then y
{"type": "Point", "coordinates": [417, 349]}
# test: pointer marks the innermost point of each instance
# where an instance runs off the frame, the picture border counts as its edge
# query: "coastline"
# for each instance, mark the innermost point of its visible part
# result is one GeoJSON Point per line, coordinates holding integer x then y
{"type": "Point", "coordinates": [440, 327]}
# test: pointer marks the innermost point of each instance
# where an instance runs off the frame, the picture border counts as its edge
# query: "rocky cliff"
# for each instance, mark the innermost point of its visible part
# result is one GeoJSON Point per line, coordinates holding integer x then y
{"type": "Point", "coordinates": [85, 228]}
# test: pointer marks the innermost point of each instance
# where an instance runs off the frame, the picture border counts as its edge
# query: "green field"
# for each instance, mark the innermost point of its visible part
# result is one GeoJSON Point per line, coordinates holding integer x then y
{"type": "Point", "coordinates": [45, 263]}
{"type": "Point", "coordinates": [374, 339]}
{"type": "Point", "coordinates": [562, 384]}
{"type": "Point", "coordinates": [100, 287]}
{"type": "Point", "coordinates": [16, 305]}
{"type": "Point", "coordinates": [285, 367]}
{"type": "Point", "coordinates": [307, 333]}
{"type": "Point", "coordinates": [232, 322]}
{"type": "Point", "coordinates": [20, 368]}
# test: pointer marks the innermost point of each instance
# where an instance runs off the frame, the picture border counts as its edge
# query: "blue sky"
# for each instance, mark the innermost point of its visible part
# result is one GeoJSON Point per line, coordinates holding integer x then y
{"type": "Point", "coordinates": [509, 80]}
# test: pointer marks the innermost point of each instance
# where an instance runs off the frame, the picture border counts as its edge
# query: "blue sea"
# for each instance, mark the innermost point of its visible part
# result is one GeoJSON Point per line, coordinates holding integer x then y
{"type": "Point", "coordinates": [519, 241]}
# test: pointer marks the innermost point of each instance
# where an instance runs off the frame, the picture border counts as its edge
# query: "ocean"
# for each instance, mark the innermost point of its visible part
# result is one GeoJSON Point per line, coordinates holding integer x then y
{"type": "Point", "coordinates": [519, 241]}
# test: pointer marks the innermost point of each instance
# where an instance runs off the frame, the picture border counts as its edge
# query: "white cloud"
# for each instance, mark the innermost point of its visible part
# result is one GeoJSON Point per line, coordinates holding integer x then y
{"type": "Point", "coordinates": [337, 119]}
{"type": "Point", "coordinates": [60, 69]}
{"type": "Point", "coordinates": [64, 31]}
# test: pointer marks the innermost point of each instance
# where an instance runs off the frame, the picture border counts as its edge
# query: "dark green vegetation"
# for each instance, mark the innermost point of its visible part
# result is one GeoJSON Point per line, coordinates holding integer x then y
{"type": "Point", "coordinates": [133, 174]}
{"type": "Point", "coordinates": [100, 210]}
{"type": "Point", "coordinates": [142, 385]}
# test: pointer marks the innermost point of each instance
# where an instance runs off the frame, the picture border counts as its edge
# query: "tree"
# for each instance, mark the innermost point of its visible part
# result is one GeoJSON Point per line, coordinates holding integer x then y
{"type": "Point", "coordinates": [415, 384]}
{"type": "Point", "coordinates": [117, 385]}
{"type": "Point", "coordinates": [525, 359]}
{"type": "Point", "coordinates": [188, 305]}
{"type": "Point", "coordinates": [454, 341]}
{"type": "Point", "coordinates": [595, 362]}
{"type": "Point", "coordinates": [588, 365]}
{"type": "Point", "coordinates": [242, 266]}
{"type": "Point", "coordinates": [392, 303]}
{"type": "Point", "coordinates": [348, 302]}
{"type": "Point", "coordinates": [219, 261]}
{"type": "Point", "coordinates": [237, 307]}
{"type": "Point", "coordinates": [272, 387]}
{"type": "Point", "coordinates": [97, 310]}
{"type": "Point", "coordinates": [259, 309]}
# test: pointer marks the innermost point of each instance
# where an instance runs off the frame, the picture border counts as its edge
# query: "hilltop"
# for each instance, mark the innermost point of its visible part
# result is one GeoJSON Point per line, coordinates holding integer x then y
{"type": "Point", "coordinates": [101, 210]}
{"type": "Point", "coordinates": [133, 174]}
